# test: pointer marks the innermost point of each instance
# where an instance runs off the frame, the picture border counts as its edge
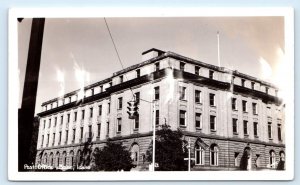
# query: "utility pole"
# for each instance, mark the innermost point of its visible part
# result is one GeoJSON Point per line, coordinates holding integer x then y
{"type": "Point", "coordinates": [26, 112]}
{"type": "Point", "coordinates": [153, 145]}
{"type": "Point", "coordinates": [189, 155]}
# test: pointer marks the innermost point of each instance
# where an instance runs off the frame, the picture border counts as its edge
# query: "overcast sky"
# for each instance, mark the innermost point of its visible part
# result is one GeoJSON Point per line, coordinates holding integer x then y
{"type": "Point", "coordinates": [251, 45]}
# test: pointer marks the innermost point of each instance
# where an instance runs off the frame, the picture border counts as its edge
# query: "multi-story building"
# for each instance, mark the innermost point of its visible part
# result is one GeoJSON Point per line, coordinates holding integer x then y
{"type": "Point", "coordinates": [223, 113]}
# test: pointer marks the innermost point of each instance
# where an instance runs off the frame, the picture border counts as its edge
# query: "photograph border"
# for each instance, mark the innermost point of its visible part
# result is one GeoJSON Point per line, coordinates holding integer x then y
{"type": "Point", "coordinates": [13, 91]}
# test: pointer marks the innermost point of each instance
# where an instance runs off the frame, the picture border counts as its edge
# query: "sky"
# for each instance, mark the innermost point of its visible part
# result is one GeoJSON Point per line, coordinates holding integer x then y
{"type": "Point", "coordinates": [75, 49]}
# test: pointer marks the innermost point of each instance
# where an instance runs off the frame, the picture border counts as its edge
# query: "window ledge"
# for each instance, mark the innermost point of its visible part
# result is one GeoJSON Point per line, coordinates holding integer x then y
{"type": "Point", "coordinates": [213, 130]}
{"type": "Point", "coordinates": [198, 128]}
{"type": "Point", "coordinates": [235, 133]}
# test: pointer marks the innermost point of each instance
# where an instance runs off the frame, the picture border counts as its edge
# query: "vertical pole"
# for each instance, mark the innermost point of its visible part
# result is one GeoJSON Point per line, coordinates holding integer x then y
{"type": "Point", "coordinates": [218, 38]}
{"type": "Point", "coordinates": [189, 148]}
{"type": "Point", "coordinates": [26, 113]}
{"type": "Point", "coordinates": [153, 145]}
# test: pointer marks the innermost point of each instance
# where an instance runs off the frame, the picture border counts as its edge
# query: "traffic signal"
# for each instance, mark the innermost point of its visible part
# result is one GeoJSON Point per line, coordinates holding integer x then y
{"type": "Point", "coordinates": [132, 109]}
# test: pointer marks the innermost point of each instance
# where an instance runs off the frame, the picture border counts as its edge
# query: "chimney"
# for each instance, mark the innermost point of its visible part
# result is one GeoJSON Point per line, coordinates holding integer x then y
{"type": "Point", "coordinates": [151, 53]}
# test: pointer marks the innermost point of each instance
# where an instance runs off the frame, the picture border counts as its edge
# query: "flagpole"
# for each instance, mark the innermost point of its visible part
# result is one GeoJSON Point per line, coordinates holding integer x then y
{"type": "Point", "coordinates": [218, 38]}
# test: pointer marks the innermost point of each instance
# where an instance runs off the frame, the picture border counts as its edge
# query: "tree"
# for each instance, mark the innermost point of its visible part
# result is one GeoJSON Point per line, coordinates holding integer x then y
{"type": "Point", "coordinates": [113, 157]}
{"type": "Point", "coordinates": [170, 150]}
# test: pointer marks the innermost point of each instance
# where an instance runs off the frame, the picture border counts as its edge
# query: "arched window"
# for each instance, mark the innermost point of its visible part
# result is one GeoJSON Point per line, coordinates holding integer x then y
{"type": "Point", "coordinates": [45, 159]}
{"type": "Point", "coordinates": [272, 159]}
{"type": "Point", "coordinates": [64, 158]}
{"type": "Point", "coordinates": [78, 158]}
{"type": "Point", "coordinates": [214, 155]}
{"type": "Point", "coordinates": [282, 156]}
{"type": "Point", "coordinates": [71, 161]}
{"type": "Point", "coordinates": [135, 153]}
{"type": "Point", "coordinates": [199, 155]}
{"type": "Point", "coordinates": [51, 159]}
{"type": "Point", "coordinates": [57, 159]}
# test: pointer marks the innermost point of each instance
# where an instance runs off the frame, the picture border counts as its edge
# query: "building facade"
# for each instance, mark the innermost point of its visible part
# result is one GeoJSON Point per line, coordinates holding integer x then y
{"type": "Point", "coordinates": [223, 112]}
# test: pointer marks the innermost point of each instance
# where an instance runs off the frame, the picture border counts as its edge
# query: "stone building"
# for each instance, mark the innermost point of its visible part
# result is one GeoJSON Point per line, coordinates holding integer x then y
{"type": "Point", "coordinates": [224, 113]}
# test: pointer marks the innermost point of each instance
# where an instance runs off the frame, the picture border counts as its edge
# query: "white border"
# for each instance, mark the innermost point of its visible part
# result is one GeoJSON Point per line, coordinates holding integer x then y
{"type": "Point", "coordinates": [13, 91]}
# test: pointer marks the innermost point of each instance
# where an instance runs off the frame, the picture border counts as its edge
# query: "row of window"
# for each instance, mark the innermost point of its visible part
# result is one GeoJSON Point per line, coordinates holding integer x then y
{"type": "Point", "coordinates": [214, 157]}
{"type": "Point", "coordinates": [91, 114]}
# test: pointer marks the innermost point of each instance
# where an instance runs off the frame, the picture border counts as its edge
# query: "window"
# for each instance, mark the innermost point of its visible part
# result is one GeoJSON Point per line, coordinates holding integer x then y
{"type": "Point", "coordinates": [120, 103]}
{"type": "Point", "coordinates": [107, 129]}
{"type": "Point", "coordinates": [182, 118]}
{"type": "Point", "coordinates": [212, 121]}
{"type": "Point", "coordinates": [92, 92]}
{"type": "Point", "coordinates": [270, 130]}
{"type": "Point", "coordinates": [91, 112]}
{"type": "Point", "coordinates": [82, 114]}
{"type": "Point", "coordinates": [198, 122]}
{"type": "Point", "coordinates": [119, 124]}
{"type": "Point", "coordinates": [61, 120]}
{"type": "Point", "coordinates": [197, 70]}
{"type": "Point", "coordinates": [157, 66]}
{"type": "Point", "coordinates": [42, 141]}
{"type": "Point", "coordinates": [234, 125]}
{"type": "Point", "coordinates": [214, 155]}
{"type": "Point", "coordinates": [55, 121]}
{"type": "Point", "coordinates": [137, 97]}
{"type": "Point", "coordinates": [279, 132]}
{"type": "Point", "coordinates": [74, 134]}
{"type": "Point", "coordinates": [282, 156]}
{"type": "Point", "coordinates": [90, 132]}
{"type": "Point", "coordinates": [255, 129]}
{"type": "Point", "coordinates": [108, 108]}
{"type": "Point", "coordinates": [233, 104]}
{"type": "Point", "coordinates": [243, 82]}
{"type": "Point", "coordinates": [245, 124]}
{"type": "Point", "coordinates": [101, 88]}
{"type": "Point", "coordinates": [156, 93]}
{"type": "Point", "coordinates": [81, 132]}
{"type": "Point", "coordinates": [236, 159]}
{"type": "Point", "coordinates": [67, 135]}
{"type": "Point", "coordinates": [100, 110]}
{"type": "Point", "coordinates": [98, 129]}
{"type": "Point", "coordinates": [53, 139]}
{"type": "Point", "coordinates": [257, 161]}
{"type": "Point", "coordinates": [121, 79]}
{"type": "Point", "coordinates": [51, 106]}
{"type": "Point", "coordinates": [75, 116]}
{"type": "Point", "coordinates": [68, 116]}
{"type": "Point", "coordinates": [44, 124]}
{"type": "Point", "coordinates": [135, 153]}
{"type": "Point", "coordinates": [49, 123]}
{"type": "Point", "coordinates": [254, 108]}
{"type": "Point", "coordinates": [212, 99]}
{"type": "Point", "coordinates": [272, 160]}
{"type": "Point", "coordinates": [138, 73]}
{"type": "Point", "coordinates": [252, 85]}
{"type": "Point", "coordinates": [110, 84]}
{"type": "Point", "coordinates": [48, 138]}
{"type": "Point", "coordinates": [182, 92]}
{"type": "Point", "coordinates": [211, 74]}
{"type": "Point", "coordinates": [137, 122]}
{"type": "Point", "coordinates": [59, 141]}
{"type": "Point", "coordinates": [199, 155]}
{"type": "Point", "coordinates": [267, 90]}
{"type": "Point", "coordinates": [244, 105]}
{"type": "Point", "coordinates": [157, 117]}
{"type": "Point", "coordinates": [182, 66]}
{"type": "Point", "coordinates": [197, 96]}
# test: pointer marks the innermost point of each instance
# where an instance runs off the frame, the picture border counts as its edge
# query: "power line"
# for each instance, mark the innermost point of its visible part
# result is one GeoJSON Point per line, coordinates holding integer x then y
{"type": "Point", "coordinates": [113, 43]}
{"type": "Point", "coordinates": [119, 58]}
